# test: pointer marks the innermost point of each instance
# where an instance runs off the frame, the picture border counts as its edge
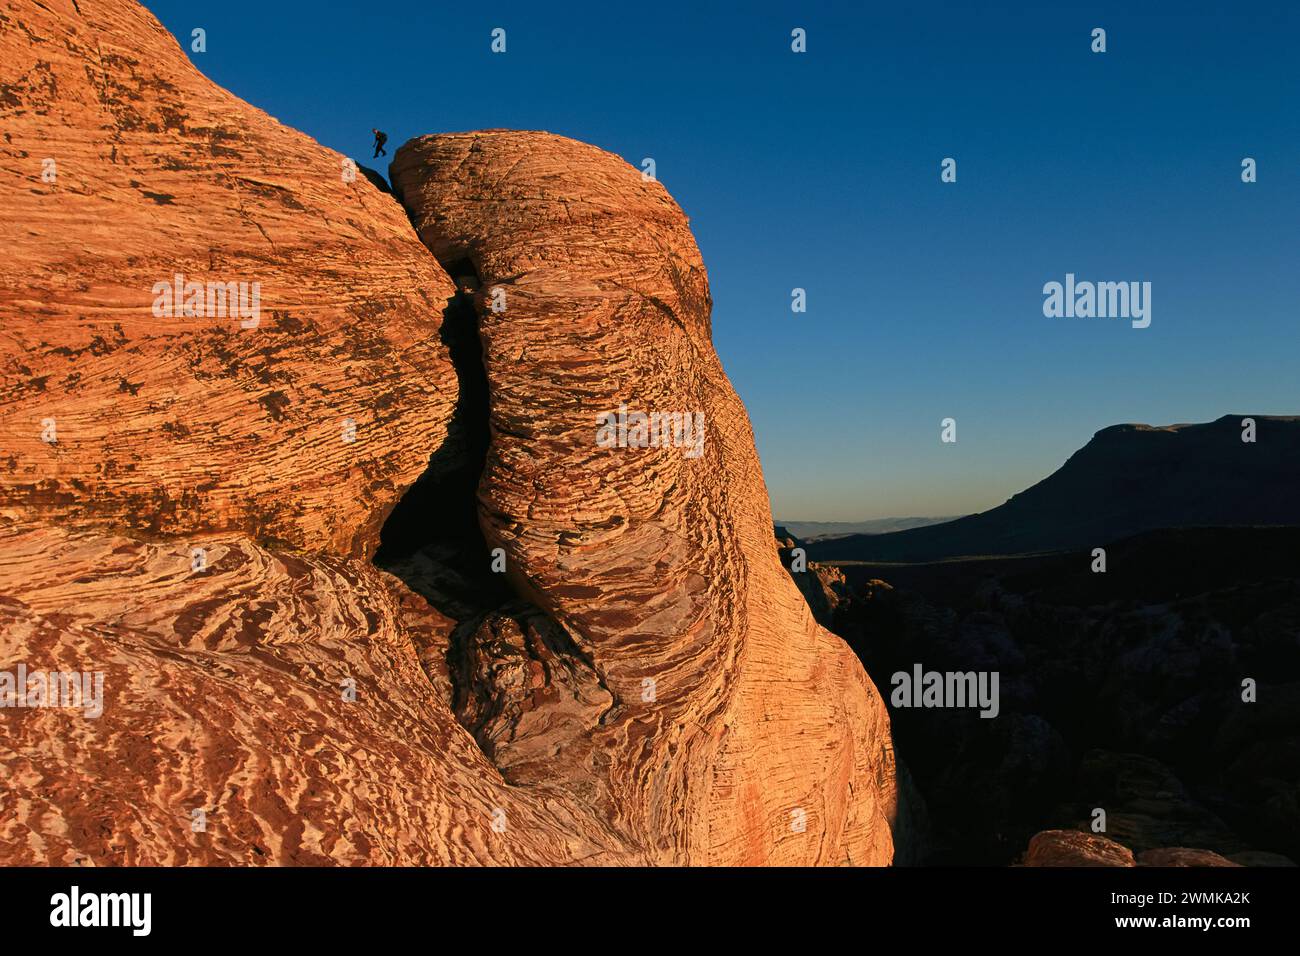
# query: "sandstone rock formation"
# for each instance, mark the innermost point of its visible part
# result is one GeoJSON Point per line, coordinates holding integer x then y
{"type": "Point", "coordinates": [226, 706]}
{"type": "Point", "coordinates": [822, 585]}
{"type": "Point", "coordinates": [735, 719]}
{"type": "Point", "coordinates": [1072, 848]}
{"type": "Point", "coordinates": [1183, 856]}
{"type": "Point", "coordinates": [1075, 848]}
{"type": "Point", "coordinates": [175, 424]}
{"type": "Point", "coordinates": [188, 504]}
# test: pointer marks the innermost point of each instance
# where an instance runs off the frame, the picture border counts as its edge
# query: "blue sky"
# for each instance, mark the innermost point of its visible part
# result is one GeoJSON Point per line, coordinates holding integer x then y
{"type": "Point", "coordinates": [821, 170]}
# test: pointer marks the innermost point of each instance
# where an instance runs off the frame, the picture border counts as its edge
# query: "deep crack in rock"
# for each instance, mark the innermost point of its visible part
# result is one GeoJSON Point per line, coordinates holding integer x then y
{"type": "Point", "coordinates": [514, 677]}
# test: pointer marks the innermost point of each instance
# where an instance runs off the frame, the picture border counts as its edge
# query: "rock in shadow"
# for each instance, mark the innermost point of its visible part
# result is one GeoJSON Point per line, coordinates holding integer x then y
{"type": "Point", "coordinates": [376, 179]}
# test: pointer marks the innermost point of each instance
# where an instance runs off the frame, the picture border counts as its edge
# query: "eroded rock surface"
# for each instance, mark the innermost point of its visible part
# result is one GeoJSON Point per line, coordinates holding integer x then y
{"type": "Point", "coordinates": [1072, 848]}
{"type": "Point", "coordinates": [822, 585]}
{"type": "Point", "coordinates": [740, 731]}
{"type": "Point", "coordinates": [1183, 856]}
{"type": "Point", "coordinates": [280, 695]}
{"type": "Point", "coordinates": [1076, 848]}
{"type": "Point", "coordinates": [174, 423]}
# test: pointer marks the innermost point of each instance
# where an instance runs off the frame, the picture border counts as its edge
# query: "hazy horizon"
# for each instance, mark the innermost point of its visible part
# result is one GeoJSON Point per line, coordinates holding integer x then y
{"type": "Point", "coordinates": [821, 171]}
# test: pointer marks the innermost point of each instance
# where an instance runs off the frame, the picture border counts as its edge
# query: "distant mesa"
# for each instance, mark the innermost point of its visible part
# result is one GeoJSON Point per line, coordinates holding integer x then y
{"type": "Point", "coordinates": [1128, 479]}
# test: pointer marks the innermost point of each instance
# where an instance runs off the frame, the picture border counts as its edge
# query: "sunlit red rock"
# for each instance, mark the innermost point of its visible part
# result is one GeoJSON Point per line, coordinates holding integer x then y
{"type": "Point", "coordinates": [1076, 848]}
{"type": "Point", "coordinates": [1182, 856]}
{"type": "Point", "coordinates": [175, 424]}
{"type": "Point", "coordinates": [741, 731]}
{"type": "Point", "coordinates": [227, 691]}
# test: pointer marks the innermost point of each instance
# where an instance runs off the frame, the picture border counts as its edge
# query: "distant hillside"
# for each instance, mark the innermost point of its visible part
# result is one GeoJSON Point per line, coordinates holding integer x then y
{"type": "Point", "coordinates": [813, 530]}
{"type": "Point", "coordinates": [1128, 479]}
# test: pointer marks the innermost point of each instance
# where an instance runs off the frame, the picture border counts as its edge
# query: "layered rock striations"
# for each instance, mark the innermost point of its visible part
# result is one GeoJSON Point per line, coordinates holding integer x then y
{"type": "Point", "coordinates": [739, 731]}
{"type": "Point", "coordinates": [272, 709]}
{"type": "Point", "coordinates": [189, 503]}
{"type": "Point", "coordinates": [187, 500]}
{"type": "Point", "coordinates": [122, 167]}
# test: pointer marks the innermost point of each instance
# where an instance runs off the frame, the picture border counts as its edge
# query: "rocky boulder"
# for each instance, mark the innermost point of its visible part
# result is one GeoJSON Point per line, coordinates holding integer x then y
{"type": "Point", "coordinates": [622, 486]}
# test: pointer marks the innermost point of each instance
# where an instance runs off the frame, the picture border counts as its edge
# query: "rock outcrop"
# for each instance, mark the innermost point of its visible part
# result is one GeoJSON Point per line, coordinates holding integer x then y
{"type": "Point", "coordinates": [739, 730]}
{"type": "Point", "coordinates": [272, 709]}
{"type": "Point", "coordinates": [1183, 856]}
{"type": "Point", "coordinates": [189, 503]}
{"type": "Point", "coordinates": [123, 167]}
{"type": "Point", "coordinates": [1073, 848]}
{"type": "Point", "coordinates": [822, 585]}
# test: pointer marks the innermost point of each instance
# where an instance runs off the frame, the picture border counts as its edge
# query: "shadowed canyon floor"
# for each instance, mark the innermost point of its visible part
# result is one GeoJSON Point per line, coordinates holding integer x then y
{"type": "Point", "coordinates": [1155, 680]}
{"type": "Point", "coordinates": [190, 501]}
{"type": "Point", "coordinates": [1123, 692]}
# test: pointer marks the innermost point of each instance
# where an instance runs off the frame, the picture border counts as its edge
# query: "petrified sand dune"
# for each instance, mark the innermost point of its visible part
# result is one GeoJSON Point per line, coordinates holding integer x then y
{"type": "Point", "coordinates": [222, 694]}
{"type": "Point", "coordinates": [592, 296]}
{"type": "Point", "coordinates": [649, 687]}
{"type": "Point", "coordinates": [177, 424]}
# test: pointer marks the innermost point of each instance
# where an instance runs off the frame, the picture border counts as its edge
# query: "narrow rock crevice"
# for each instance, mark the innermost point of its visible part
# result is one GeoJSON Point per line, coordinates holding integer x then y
{"type": "Point", "coordinates": [514, 677]}
{"type": "Point", "coordinates": [432, 539]}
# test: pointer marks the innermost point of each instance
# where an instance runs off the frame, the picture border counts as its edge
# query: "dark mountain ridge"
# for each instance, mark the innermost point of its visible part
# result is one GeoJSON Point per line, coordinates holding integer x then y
{"type": "Point", "coordinates": [1126, 480]}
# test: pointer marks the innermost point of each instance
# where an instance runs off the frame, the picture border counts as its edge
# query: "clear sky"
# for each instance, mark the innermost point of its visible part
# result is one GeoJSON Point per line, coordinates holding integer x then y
{"type": "Point", "coordinates": [821, 170]}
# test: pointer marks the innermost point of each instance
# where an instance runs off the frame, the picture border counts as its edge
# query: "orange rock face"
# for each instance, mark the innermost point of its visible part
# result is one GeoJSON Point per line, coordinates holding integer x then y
{"type": "Point", "coordinates": [189, 503]}
{"type": "Point", "coordinates": [740, 731]}
{"type": "Point", "coordinates": [269, 710]}
{"type": "Point", "coordinates": [1183, 856]}
{"type": "Point", "coordinates": [123, 168]}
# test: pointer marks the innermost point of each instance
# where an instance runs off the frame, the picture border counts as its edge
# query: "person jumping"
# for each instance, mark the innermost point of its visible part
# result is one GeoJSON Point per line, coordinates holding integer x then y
{"type": "Point", "coordinates": [380, 140]}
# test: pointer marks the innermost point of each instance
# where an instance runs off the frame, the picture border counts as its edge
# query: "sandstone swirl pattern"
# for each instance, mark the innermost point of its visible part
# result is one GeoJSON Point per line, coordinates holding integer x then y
{"type": "Point", "coordinates": [223, 694]}
{"type": "Point", "coordinates": [501, 733]}
{"type": "Point", "coordinates": [167, 425]}
{"type": "Point", "coordinates": [591, 295]}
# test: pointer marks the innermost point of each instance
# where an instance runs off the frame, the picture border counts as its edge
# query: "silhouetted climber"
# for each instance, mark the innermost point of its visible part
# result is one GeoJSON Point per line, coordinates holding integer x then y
{"type": "Point", "coordinates": [380, 140]}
